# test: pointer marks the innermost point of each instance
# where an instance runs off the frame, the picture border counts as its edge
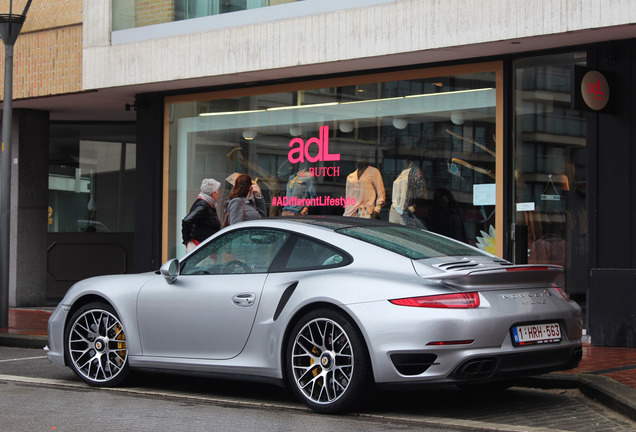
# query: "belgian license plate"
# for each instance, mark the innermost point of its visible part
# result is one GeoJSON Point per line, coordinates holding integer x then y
{"type": "Point", "coordinates": [536, 334]}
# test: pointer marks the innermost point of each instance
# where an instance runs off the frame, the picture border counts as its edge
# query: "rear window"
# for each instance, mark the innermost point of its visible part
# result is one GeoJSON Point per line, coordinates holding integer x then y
{"type": "Point", "coordinates": [409, 242]}
{"type": "Point", "coordinates": [308, 254]}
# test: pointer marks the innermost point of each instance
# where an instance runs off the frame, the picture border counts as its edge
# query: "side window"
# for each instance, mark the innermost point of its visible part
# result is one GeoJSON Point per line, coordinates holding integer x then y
{"type": "Point", "coordinates": [242, 251]}
{"type": "Point", "coordinates": [308, 254]}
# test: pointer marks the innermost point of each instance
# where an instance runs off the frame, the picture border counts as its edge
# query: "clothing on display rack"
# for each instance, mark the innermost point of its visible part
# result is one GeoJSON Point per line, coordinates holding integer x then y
{"type": "Point", "coordinates": [366, 188]}
{"type": "Point", "coordinates": [408, 188]}
{"type": "Point", "coordinates": [300, 188]}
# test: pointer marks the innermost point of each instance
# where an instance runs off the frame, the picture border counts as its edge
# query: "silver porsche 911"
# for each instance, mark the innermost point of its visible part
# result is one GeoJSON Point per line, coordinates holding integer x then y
{"type": "Point", "coordinates": [326, 306]}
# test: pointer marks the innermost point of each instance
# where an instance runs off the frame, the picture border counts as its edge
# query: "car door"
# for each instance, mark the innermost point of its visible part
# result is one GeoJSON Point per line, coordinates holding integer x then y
{"type": "Point", "coordinates": [209, 311]}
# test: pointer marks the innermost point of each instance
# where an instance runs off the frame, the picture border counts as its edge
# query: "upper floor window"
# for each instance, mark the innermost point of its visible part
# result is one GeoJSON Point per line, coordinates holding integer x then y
{"type": "Point", "coordinates": [131, 14]}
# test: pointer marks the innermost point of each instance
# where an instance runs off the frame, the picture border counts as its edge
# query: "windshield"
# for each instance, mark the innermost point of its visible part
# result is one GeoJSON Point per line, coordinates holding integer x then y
{"type": "Point", "coordinates": [409, 242]}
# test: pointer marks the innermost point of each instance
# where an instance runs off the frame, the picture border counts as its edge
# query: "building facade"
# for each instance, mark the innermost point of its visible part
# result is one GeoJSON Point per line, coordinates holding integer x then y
{"type": "Point", "coordinates": [504, 124]}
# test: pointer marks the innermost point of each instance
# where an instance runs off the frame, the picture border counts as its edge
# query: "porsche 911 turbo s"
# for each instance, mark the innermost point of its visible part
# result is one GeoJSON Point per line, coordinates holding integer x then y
{"type": "Point", "coordinates": [327, 306]}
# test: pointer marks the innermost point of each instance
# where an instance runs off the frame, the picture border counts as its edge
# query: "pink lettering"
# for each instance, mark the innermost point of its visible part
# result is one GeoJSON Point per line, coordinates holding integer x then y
{"type": "Point", "coordinates": [296, 151]}
{"type": "Point", "coordinates": [324, 171]}
{"type": "Point", "coordinates": [595, 88]}
{"type": "Point", "coordinates": [300, 148]}
{"type": "Point", "coordinates": [319, 143]}
{"type": "Point", "coordinates": [325, 150]}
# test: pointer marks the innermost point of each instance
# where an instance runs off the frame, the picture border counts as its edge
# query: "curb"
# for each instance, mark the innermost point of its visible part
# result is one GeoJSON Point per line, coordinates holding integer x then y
{"type": "Point", "coordinates": [614, 395]}
{"type": "Point", "coordinates": [23, 341]}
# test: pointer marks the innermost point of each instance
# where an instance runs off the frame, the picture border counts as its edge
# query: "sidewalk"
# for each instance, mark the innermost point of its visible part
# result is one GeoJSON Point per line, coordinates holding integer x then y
{"type": "Point", "coordinates": [27, 328]}
{"type": "Point", "coordinates": [606, 374]}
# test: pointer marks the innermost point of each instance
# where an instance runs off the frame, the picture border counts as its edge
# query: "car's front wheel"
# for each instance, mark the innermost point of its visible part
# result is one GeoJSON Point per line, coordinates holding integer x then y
{"type": "Point", "coordinates": [327, 362]}
{"type": "Point", "coordinates": [96, 346]}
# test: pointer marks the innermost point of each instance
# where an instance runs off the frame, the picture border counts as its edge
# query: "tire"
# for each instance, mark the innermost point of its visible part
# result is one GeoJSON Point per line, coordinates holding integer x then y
{"type": "Point", "coordinates": [327, 362]}
{"type": "Point", "coordinates": [95, 345]}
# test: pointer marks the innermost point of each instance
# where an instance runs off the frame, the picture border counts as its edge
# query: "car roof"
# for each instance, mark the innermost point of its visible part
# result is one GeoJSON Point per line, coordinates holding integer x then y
{"type": "Point", "coordinates": [334, 222]}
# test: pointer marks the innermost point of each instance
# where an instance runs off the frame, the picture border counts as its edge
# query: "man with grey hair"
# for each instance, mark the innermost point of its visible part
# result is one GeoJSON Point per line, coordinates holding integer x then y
{"type": "Point", "coordinates": [202, 221]}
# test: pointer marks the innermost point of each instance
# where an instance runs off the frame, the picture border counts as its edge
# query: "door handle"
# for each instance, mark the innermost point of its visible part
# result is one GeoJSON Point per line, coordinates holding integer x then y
{"type": "Point", "coordinates": [245, 299]}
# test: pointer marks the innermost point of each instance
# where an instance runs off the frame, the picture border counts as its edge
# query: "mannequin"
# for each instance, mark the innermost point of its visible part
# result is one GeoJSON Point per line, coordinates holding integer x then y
{"type": "Point", "coordinates": [300, 186]}
{"type": "Point", "coordinates": [366, 187]}
{"type": "Point", "coordinates": [408, 188]}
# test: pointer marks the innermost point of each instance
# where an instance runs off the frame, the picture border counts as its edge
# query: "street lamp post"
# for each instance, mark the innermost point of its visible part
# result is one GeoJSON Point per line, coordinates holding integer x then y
{"type": "Point", "coordinates": [10, 26]}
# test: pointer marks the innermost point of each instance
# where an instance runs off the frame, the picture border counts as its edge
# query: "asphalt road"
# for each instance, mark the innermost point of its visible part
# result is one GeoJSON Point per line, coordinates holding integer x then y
{"type": "Point", "coordinates": [36, 395]}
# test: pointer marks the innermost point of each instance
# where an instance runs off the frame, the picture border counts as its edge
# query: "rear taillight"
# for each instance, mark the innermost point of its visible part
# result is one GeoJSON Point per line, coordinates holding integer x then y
{"type": "Point", "coordinates": [451, 301]}
{"type": "Point", "coordinates": [452, 342]}
{"type": "Point", "coordinates": [561, 291]}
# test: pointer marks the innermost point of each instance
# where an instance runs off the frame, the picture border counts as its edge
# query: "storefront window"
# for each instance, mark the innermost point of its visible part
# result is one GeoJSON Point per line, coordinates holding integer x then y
{"type": "Point", "coordinates": [550, 193]}
{"type": "Point", "coordinates": [91, 178]}
{"type": "Point", "coordinates": [416, 151]}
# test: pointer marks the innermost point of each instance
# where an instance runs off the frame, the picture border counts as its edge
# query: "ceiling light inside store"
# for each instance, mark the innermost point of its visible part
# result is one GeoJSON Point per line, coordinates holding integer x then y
{"type": "Point", "coordinates": [296, 131]}
{"type": "Point", "coordinates": [345, 127]}
{"type": "Point", "coordinates": [457, 117]}
{"type": "Point", "coordinates": [249, 134]}
{"type": "Point", "coordinates": [400, 123]}
{"type": "Point", "coordinates": [293, 107]}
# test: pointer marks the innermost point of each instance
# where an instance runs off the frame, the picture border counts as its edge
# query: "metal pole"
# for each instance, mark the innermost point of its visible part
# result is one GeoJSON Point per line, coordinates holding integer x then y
{"type": "Point", "coordinates": [10, 26]}
{"type": "Point", "coordinates": [5, 193]}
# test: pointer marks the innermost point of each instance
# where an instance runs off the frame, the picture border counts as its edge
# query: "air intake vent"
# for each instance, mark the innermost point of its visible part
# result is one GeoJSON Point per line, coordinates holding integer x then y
{"type": "Point", "coordinates": [469, 264]}
{"type": "Point", "coordinates": [459, 265]}
{"type": "Point", "coordinates": [413, 364]}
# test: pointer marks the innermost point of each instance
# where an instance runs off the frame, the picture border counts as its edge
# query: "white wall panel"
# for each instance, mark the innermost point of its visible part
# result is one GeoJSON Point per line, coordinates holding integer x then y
{"type": "Point", "coordinates": [413, 31]}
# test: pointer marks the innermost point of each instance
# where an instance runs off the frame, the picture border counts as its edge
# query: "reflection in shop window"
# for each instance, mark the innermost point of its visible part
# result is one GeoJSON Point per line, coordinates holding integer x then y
{"type": "Point", "coordinates": [91, 181]}
{"type": "Point", "coordinates": [550, 169]}
{"type": "Point", "coordinates": [417, 152]}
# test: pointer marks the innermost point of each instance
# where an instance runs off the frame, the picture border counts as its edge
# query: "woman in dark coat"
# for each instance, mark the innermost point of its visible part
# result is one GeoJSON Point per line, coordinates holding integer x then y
{"type": "Point", "coordinates": [202, 221]}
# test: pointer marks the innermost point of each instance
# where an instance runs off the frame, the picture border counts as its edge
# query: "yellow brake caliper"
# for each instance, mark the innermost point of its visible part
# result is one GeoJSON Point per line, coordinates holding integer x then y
{"type": "Point", "coordinates": [120, 345]}
{"type": "Point", "coordinates": [316, 352]}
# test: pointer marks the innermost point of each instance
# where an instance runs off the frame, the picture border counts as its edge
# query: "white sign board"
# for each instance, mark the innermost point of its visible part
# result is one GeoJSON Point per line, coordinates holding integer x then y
{"type": "Point", "coordinates": [484, 194]}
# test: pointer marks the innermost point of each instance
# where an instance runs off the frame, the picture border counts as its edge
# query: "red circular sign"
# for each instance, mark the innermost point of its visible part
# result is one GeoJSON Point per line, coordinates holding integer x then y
{"type": "Point", "coordinates": [595, 90]}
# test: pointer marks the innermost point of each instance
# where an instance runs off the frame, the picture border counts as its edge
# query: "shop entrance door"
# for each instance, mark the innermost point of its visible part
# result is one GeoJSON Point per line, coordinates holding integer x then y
{"type": "Point", "coordinates": [92, 170]}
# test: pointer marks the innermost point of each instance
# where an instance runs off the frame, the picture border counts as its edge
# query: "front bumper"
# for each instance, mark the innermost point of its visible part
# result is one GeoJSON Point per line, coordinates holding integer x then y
{"type": "Point", "coordinates": [55, 328]}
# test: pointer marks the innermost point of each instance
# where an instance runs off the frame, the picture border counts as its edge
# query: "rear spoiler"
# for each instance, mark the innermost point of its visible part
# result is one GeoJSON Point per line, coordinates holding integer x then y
{"type": "Point", "coordinates": [514, 276]}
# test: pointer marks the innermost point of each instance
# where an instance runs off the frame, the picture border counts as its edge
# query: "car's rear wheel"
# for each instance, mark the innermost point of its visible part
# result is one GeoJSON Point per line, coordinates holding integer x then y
{"type": "Point", "coordinates": [96, 346]}
{"type": "Point", "coordinates": [327, 362]}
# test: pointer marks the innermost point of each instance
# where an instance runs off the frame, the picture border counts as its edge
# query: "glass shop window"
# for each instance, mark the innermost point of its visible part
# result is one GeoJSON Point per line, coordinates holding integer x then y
{"type": "Point", "coordinates": [550, 169]}
{"type": "Point", "coordinates": [417, 151]}
{"type": "Point", "coordinates": [92, 178]}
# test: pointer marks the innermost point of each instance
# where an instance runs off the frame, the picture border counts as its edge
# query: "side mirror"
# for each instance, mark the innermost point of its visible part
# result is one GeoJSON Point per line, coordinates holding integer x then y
{"type": "Point", "coordinates": [170, 270]}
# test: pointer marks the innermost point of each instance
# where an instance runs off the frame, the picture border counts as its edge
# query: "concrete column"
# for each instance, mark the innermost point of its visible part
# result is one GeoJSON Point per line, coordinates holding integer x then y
{"type": "Point", "coordinates": [29, 208]}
